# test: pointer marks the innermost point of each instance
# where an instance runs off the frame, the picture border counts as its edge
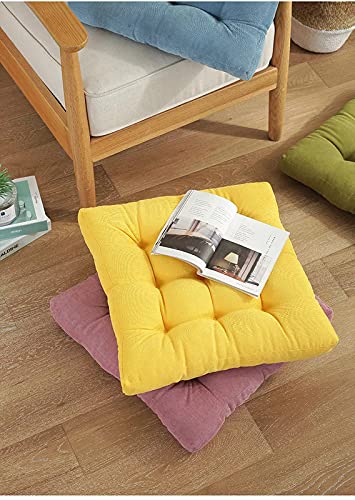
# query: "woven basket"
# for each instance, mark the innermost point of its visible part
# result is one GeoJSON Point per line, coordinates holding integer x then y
{"type": "Point", "coordinates": [322, 26]}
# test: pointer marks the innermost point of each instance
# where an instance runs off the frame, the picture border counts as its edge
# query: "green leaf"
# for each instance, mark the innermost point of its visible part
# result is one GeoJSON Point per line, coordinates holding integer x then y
{"type": "Point", "coordinates": [5, 183]}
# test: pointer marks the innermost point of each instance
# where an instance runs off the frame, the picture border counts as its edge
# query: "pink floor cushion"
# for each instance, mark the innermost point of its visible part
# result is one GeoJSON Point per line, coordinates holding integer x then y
{"type": "Point", "coordinates": [193, 411]}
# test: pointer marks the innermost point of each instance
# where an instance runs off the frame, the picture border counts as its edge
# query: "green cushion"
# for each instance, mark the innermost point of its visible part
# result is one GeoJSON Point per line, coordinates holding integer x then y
{"type": "Point", "coordinates": [325, 159]}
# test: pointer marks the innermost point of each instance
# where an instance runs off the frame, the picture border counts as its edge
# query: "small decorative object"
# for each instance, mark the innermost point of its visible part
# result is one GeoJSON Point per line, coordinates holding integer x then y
{"type": "Point", "coordinates": [9, 207]}
{"type": "Point", "coordinates": [322, 26]}
{"type": "Point", "coordinates": [233, 259]}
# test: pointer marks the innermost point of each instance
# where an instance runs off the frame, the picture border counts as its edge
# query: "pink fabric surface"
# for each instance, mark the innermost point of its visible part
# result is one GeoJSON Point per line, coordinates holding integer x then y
{"type": "Point", "coordinates": [193, 411]}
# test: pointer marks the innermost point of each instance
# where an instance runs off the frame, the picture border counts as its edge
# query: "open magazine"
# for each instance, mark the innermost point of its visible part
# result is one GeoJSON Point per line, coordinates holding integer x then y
{"type": "Point", "coordinates": [205, 230]}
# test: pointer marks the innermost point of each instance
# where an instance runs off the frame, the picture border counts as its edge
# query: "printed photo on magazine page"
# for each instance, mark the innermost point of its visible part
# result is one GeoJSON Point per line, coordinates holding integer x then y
{"type": "Point", "coordinates": [246, 255]}
{"type": "Point", "coordinates": [238, 262]}
{"type": "Point", "coordinates": [195, 228]}
{"type": "Point", "coordinates": [192, 236]}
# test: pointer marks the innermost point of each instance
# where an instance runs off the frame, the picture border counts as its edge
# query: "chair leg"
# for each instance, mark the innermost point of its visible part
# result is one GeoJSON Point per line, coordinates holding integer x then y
{"type": "Point", "coordinates": [78, 129]}
{"type": "Point", "coordinates": [85, 180]}
{"type": "Point", "coordinates": [280, 59]}
{"type": "Point", "coordinates": [277, 101]}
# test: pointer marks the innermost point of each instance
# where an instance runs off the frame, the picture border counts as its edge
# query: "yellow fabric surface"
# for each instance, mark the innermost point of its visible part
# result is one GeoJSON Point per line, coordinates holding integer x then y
{"type": "Point", "coordinates": [172, 325]}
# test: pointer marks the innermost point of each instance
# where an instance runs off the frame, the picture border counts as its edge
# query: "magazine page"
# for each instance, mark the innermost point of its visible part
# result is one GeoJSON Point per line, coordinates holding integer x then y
{"type": "Point", "coordinates": [195, 228]}
{"type": "Point", "coordinates": [246, 255]}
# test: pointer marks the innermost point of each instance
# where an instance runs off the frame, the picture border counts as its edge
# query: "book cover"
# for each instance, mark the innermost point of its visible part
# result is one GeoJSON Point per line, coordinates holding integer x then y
{"type": "Point", "coordinates": [10, 246]}
{"type": "Point", "coordinates": [32, 218]}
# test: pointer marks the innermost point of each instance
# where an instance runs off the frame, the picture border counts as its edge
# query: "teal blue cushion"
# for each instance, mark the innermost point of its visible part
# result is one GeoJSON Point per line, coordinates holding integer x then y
{"type": "Point", "coordinates": [227, 36]}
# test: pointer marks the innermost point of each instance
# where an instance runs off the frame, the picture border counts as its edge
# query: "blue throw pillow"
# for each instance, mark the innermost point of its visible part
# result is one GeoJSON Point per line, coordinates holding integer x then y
{"type": "Point", "coordinates": [228, 36]}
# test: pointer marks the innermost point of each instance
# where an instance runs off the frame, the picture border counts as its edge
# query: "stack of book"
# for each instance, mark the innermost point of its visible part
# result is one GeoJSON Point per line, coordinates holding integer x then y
{"type": "Point", "coordinates": [30, 224]}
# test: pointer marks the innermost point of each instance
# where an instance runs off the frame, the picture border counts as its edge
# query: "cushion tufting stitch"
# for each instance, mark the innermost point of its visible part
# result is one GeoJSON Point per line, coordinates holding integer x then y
{"type": "Point", "coordinates": [193, 411]}
{"type": "Point", "coordinates": [172, 325]}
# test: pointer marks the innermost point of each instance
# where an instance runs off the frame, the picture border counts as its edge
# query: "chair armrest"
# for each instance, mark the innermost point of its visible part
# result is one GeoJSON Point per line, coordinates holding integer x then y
{"type": "Point", "coordinates": [62, 24]}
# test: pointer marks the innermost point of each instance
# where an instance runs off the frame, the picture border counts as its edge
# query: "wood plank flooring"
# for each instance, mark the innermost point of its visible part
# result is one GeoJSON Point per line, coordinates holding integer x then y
{"type": "Point", "coordinates": [65, 427]}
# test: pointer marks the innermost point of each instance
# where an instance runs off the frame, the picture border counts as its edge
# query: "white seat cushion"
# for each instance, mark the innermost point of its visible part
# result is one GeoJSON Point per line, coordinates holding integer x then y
{"type": "Point", "coordinates": [124, 81]}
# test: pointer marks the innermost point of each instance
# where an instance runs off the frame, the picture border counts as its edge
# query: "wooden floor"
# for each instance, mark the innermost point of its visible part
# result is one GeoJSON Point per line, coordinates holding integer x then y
{"type": "Point", "coordinates": [65, 427]}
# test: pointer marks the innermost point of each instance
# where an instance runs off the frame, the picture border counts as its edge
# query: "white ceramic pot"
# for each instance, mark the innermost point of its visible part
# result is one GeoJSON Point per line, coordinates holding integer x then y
{"type": "Point", "coordinates": [9, 207]}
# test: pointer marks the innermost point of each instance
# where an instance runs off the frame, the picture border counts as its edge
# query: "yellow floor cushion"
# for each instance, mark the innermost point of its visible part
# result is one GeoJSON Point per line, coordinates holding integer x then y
{"type": "Point", "coordinates": [172, 325]}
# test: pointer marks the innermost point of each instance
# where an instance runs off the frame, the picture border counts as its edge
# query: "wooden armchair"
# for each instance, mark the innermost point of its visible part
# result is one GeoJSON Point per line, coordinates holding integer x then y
{"type": "Point", "coordinates": [70, 126]}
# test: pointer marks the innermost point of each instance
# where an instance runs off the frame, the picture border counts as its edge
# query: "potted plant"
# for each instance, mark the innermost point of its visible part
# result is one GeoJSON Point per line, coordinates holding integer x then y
{"type": "Point", "coordinates": [9, 207]}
